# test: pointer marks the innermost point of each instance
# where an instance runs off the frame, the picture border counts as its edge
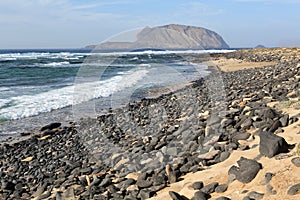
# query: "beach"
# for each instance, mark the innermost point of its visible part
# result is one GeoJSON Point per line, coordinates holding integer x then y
{"type": "Point", "coordinates": [200, 141]}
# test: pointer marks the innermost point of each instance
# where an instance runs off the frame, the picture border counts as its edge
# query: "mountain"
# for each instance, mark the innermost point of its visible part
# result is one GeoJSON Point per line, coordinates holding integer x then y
{"type": "Point", "coordinates": [171, 36]}
{"type": "Point", "coordinates": [259, 46]}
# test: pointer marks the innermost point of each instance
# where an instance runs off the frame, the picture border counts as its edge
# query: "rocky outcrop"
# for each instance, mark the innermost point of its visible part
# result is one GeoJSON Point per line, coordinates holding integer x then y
{"type": "Point", "coordinates": [170, 37]}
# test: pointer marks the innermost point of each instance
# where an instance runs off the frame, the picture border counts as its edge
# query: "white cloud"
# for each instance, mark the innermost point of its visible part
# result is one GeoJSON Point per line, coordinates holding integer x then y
{"type": "Point", "coordinates": [37, 11]}
{"type": "Point", "coordinates": [57, 23]}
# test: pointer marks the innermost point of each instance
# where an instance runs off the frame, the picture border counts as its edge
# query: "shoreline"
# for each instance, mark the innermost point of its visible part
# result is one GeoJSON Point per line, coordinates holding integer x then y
{"type": "Point", "coordinates": [65, 115]}
{"type": "Point", "coordinates": [136, 151]}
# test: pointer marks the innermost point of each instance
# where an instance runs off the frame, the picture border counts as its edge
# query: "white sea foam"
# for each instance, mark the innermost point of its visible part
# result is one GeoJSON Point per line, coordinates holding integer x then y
{"type": "Point", "coordinates": [162, 52]}
{"type": "Point", "coordinates": [122, 73]}
{"type": "Point", "coordinates": [2, 89]}
{"type": "Point", "coordinates": [4, 102]}
{"type": "Point", "coordinates": [55, 64]}
{"type": "Point", "coordinates": [35, 55]}
{"type": "Point", "coordinates": [7, 59]}
{"type": "Point", "coordinates": [30, 105]}
{"type": "Point", "coordinates": [144, 65]}
{"type": "Point", "coordinates": [134, 58]}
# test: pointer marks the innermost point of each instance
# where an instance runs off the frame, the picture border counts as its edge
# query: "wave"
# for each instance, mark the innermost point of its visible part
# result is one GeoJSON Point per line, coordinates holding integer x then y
{"type": "Point", "coordinates": [2, 89]}
{"type": "Point", "coordinates": [4, 102]}
{"type": "Point", "coordinates": [144, 65]}
{"type": "Point", "coordinates": [55, 64]}
{"type": "Point", "coordinates": [7, 59]}
{"type": "Point", "coordinates": [31, 105]}
{"type": "Point", "coordinates": [37, 55]}
{"type": "Point", "coordinates": [134, 58]}
{"type": "Point", "coordinates": [164, 52]}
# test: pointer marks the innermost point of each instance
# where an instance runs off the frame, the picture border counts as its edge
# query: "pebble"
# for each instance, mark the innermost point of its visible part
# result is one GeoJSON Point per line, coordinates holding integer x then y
{"type": "Point", "coordinates": [222, 198]}
{"type": "Point", "coordinates": [51, 126]}
{"type": "Point", "coordinates": [268, 177]}
{"type": "Point", "coordinates": [221, 188]}
{"type": "Point", "coordinates": [255, 195]}
{"type": "Point", "coordinates": [199, 195]}
{"type": "Point", "coordinates": [294, 190]}
{"type": "Point", "coordinates": [171, 174]}
{"type": "Point", "coordinates": [197, 185]}
{"type": "Point", "coordinates": [209, 155]}
{"type": "Point", "coordinates": [224, 155]}
{"type": "Point", "coordinates": [25, 134]}
{"type": "Point", "coordinates": [106, 182]}
{"type": "Point", "coordinates": [176, 196]}
{"type": "Point", "coordinates": [270, 190]}
{"type": "Point", "coordinates": [146, 194]}
{"type": "Point", "coordinates": [144, 183]}
{"type": "Point", "coordinates": [44, 196]}
{"type": "Point", "coordinates": [40, 190]}
{"type": "Point", "coordinates": [210, 188]}
{"type": "Point", "coordinates": [296, 161]}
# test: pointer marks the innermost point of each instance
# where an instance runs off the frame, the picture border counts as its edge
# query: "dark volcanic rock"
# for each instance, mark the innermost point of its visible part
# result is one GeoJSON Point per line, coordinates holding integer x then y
{"type": "Point", "coordinates": [199, 195]}
{"type": "Point", "coordinates": [51, 126]}
{"type": "Point", "coordinates": [274, 126]}
{"type": "Point", "coordinates": [284, 120]}
{"type": "Point", "coordinates": [221, 188]}
{"type": "Point", "coordinates": [255, 195]}
{"type": "Point", "coordinates": [222, 198]}
{"type": "Point", "coordinates": [210, 188]}
{"type": "Point", "coordinates": [146, 194]}
{"type": "Point", "coordinates": [176, 196]}
{"type": "Point", "coordinates": [269, 113]}
{"type": "Point", "coordinates": [295, 189]}
{"type": "Point", "coordinates": [144, 183]}
{"type": "Point", "coordinates": [241, 136]}
{"type": "Point", "coordinates": [270, 190]}
{"type": "Point", "coordinates": [171, 174]}
{"type": "Point", "coordinates": [296, 161]}
{"type": "Point", "coordinates": [246, 171]}
{"type": "Point", "coordinates": [268, 177]}
{"type": "Point", "coordinates": [25, 134]}
{"type": "Point", "coordinates": [197, 185]}
{"type": "Point", "coordinates": [224, 155]}
{"type": "Point", "coordinates": [271, 144]}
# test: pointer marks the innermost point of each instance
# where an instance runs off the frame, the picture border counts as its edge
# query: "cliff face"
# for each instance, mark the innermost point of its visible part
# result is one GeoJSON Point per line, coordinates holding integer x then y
{"type": "Point", "coordinates": [170, 36]}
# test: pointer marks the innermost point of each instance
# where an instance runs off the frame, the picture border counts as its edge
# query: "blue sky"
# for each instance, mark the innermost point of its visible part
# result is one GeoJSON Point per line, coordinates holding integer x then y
{"type": "Point", "coordinates": [76, 23]}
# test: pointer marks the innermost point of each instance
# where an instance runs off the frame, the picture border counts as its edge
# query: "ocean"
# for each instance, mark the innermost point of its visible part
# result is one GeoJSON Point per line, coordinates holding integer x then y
{"type": "Point", "coordinates": [36, 82]}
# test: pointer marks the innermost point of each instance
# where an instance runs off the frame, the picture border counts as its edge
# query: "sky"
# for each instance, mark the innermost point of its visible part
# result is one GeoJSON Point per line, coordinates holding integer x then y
{"type": "Point", "coordinates": [77, 23]}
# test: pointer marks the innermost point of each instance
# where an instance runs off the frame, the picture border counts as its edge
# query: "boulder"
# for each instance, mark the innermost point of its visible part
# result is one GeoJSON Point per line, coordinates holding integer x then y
{"type": "Point", "coordinates": [246, 171]}
{"type": "Point", "coordinates": [271, 144]}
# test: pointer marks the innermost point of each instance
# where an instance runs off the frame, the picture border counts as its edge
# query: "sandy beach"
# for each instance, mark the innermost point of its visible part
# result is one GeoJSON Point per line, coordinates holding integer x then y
{"type": "Point", "coordinates": [169, 143]}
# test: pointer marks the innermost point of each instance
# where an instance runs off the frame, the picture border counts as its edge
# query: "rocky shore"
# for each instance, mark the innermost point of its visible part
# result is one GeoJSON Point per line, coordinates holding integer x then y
{"type": "Point", "coordinates": [139, 151]}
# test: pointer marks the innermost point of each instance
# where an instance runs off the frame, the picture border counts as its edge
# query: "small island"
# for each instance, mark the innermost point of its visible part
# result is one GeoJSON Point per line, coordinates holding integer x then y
{"type": "Point", "coordinates": [172, 36]}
